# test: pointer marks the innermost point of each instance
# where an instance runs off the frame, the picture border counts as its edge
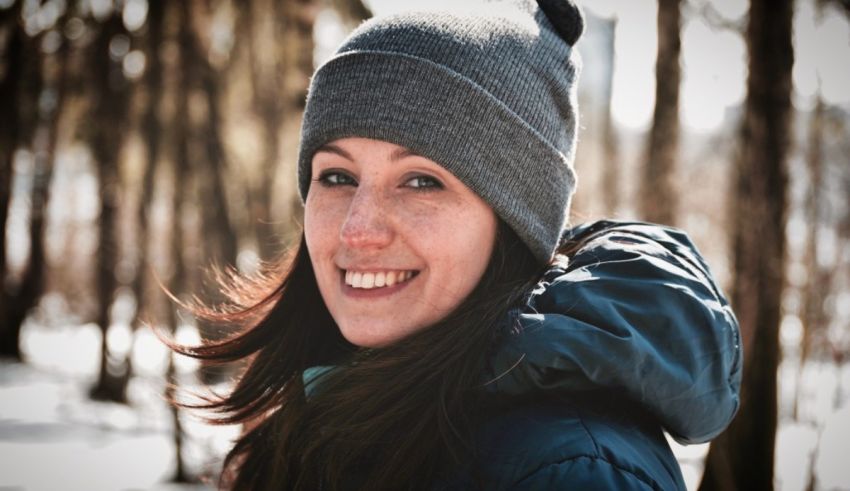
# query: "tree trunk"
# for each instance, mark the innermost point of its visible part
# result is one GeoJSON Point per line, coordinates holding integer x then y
{"type": "Point", "coordinates": [268, 70]}
{"type": "Point", "coordinates": [31, 285]}
{"type": "Point", "coordinates": [152, 134]}
{"type": "Point", "coordinates": [658, 199]}
{"type": "Point", "coordinates": [182, 167]}
{"type": "Point", "coordinates": [818, 280]}
{"type": "Point", "coordinates": [297, 20]}
{"type": "Point", "coordinates": [110, 102]}
{"type": "Point", "coordinates": [218, 228]}
{"type": "Point", "coordinates": [10, 86]}
{"type": "Point", "coordinates": [842, 4]}
{"type": "Point", "coordinates": [281, 60]}
{"type": "Point", "coordinates": [20, 91]}
{"type": "Point", "coordinates": [206, 166]}
{"type": "Point", "coordinates": [352, 12]}
{"type": "Point", "coordinates": [742, 457]}
{"type": "Point", "coordinates": [611, 170]}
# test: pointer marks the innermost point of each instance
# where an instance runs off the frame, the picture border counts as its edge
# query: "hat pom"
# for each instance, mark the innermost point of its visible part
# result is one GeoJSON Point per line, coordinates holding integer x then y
{"type": "Point", "coordinates": [566, 17]}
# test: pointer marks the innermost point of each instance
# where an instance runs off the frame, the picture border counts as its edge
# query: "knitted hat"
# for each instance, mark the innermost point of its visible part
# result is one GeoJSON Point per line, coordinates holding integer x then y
{"type": "Point", "coordinates": [488, 92]}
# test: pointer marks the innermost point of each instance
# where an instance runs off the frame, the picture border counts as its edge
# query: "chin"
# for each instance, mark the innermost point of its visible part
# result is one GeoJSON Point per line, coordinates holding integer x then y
{"type": "Point", "coordinates": [365, 341]}
{"type": "Point", "coordinates": [368, 338]}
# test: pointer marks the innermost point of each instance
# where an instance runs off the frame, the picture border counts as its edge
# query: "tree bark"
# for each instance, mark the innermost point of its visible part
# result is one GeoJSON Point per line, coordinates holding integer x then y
{"type": "Point", "coordinates": [206, 166]}
{"type": "Point", "coordinates": [216, 218]}
{"type": "Point", "coordinates": [207, 155]}
{"type": "Point", "coordinates": [152, 134]}
{"type": "Point", "coordinates": [742, 457]}
{"type": "Point", "coordinates": [109, 108]}
{"type": "Point", "coordinates": [20, 90]}
{"type": "Point", "coordinates": [818, 280]}
{"type": "Point", "coordinates": [297, 48]}
{"type": "Point", "coordinates": [658, 201]}
{"type": "Point", "coordinates": [268, 93]}
{"type": "Point", "coordinates": [31, 285]}
{"type": "Point", "coordinates": [611, 170]}
{"type": "Point", "coordinates": [352, 12]}
{"type": "Point", "coordinates": [182, 172]}
{"type": "Point", "coordinates": [10, 87]}
{"type": "Point", "coordinates": [279, 86]}
{"type": "Point", "coordinates": [842, 4]}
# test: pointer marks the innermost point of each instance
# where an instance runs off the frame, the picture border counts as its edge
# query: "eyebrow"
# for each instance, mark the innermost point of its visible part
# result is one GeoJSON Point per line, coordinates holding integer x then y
{"type": "Point", "coordinates": [397, 154]}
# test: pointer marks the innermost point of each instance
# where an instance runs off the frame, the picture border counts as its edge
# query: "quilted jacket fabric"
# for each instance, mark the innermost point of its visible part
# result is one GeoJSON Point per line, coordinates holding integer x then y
{"type": "Point", "coordinates": [629, 337]}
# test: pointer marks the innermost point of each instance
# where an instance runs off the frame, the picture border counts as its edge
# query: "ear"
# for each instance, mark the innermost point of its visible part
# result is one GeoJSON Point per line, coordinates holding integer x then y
{"type": "Point", "coordinates": [566, 17]}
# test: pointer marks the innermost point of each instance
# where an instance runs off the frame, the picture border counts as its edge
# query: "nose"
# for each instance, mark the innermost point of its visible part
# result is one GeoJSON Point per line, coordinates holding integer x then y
{"type": "Point", "coordinates": [367, 224]}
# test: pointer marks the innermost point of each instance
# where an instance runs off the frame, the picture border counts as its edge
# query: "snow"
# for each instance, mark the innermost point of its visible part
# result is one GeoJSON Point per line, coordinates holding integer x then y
{"type": "Point", "coordinates": [52, 436]}
{"type": "Point", "coordinates": [831, 460]}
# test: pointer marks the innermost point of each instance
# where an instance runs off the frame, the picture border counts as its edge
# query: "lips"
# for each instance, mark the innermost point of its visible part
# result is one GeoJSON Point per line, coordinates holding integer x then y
{"type": "Point", "coordinates": [369, 280]}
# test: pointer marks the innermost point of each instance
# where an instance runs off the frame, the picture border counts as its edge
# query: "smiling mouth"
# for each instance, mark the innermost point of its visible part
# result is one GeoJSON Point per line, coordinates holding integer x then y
{"type": "Point", "coordinates": [377, 279]}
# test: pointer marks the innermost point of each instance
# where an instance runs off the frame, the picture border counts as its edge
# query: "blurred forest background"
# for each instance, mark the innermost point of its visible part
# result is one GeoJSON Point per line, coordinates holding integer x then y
{"type": "Point", "coordinates": [142, 142]}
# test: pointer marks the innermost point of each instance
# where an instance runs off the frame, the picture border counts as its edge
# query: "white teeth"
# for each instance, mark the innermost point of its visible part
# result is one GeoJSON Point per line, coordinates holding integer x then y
{"type": "Point", "coordinates": [366, 281]}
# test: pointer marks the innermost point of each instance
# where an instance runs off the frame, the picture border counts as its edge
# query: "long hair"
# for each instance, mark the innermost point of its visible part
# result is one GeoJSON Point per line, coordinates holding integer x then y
{"type": "Point", "coordinates": [393, 417]}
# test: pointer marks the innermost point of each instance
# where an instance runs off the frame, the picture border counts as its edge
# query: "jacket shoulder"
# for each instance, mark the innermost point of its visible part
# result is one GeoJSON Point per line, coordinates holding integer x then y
{"type": "Point", "coordinates": [585, 473]}
{"type": "Point", "coordinates": [607, 240]}
{"type": "Point", "coordinates": [577, 441]}
{"type": "Point", "coordinates": [635, 309]}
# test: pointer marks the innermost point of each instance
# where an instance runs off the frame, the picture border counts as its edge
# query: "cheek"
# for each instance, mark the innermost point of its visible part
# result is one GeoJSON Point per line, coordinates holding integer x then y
{"type": "Point", "coordinates": [460, 251]}
{"type": "Point", "coordinates": [476, 246]}
{"type": "Point", "coordinates": [320, 225]}
{"type": "Point", "coordinates": [321, 237]}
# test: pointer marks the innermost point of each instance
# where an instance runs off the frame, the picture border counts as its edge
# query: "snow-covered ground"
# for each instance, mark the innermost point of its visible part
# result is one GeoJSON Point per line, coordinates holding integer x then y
{"type": "Point", "coordinates": [53, 437]}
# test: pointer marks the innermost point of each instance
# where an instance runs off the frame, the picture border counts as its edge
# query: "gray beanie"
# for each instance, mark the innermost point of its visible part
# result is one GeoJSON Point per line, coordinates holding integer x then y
{"type": "Point", "coordinates": [488, 92]}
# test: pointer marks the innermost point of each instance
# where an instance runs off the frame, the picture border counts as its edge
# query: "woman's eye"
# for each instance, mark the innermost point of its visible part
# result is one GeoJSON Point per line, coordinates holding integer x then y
{"type": "Point", "coordinates": [424, 182]}
{"type": "Point", "coordinates": [334, 178]}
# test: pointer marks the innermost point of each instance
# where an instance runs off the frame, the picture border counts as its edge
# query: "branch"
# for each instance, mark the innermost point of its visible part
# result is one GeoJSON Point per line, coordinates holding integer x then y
{"type": "Point", "coordinates": [715, 20]}
{"type": "Point", "coordinates": [841, 4]}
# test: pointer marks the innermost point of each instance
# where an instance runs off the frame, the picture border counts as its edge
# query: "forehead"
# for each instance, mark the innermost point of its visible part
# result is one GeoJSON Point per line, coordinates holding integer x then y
{"type": "Point", "coordinates": [348, 146]}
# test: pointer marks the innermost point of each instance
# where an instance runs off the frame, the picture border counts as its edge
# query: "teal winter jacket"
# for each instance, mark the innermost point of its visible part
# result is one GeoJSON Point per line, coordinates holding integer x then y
{"type": "Point", "coordinates": [630, 337]}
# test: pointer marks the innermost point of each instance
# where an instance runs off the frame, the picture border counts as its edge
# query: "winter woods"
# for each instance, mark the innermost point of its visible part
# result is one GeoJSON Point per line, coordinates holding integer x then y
{"type": "Point", "coordinates": [145, 144]}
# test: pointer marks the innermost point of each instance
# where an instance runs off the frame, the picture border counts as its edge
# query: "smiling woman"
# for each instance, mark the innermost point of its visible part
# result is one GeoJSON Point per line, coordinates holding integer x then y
{"type": "Point", "coordinates": [395, 240]}
{"type": "Point", "coordinates": [439, 325]}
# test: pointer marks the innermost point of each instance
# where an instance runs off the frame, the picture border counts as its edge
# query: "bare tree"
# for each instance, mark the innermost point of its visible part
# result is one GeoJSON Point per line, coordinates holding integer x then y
{"type": "Point", "coordinates": [177, 282]}
{"type": "Point", "coordinates": [280, 52]}
{"type": "Point", "coordinates": [352, 11]}
{"type": "Point", "coordinates": [842, 4]}
{"type": "Point", "coordinates": [742, 457]}
{"type": "Point", "coordinates": [10, 86]}
{"type": "Point", "coordinates": [31, 285]}
{"type": "Point", "coordinates": [109, 96]}
{"type": "Point", "coordinates": [152, 135]}
{"type": "Point", "coordinates": [208, 159]}
{"type": "Point", "coordinates": [658, 199]}
{"type": "Point", "coordinates": [818, 279]}
{"type": "Point", "coordinates": [611, 170]}
{"type": "Point", "coordinates": [21, 90]}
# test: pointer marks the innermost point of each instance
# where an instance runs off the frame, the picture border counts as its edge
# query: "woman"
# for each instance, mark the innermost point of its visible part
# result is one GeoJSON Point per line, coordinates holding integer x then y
{"type": "Point", "coordinates": [439, 327]}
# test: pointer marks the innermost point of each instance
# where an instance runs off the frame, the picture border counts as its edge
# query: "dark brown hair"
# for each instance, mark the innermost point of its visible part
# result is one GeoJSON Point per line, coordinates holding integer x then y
{"type": "Point", "coordinates": [394, 417]}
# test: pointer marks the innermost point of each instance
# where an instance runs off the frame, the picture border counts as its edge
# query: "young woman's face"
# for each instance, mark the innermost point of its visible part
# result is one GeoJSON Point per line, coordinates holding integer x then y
{"type": "Point", "coordinates": [396, 241]}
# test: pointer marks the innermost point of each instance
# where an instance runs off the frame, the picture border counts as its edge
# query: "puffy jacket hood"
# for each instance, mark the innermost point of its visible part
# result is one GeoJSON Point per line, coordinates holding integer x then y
{"type": "Point", "coordinates": [635, 310]}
